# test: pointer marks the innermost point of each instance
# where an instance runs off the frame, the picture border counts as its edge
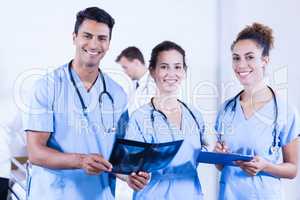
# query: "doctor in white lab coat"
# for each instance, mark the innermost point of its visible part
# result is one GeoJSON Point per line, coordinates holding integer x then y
{"type": "Point", "coordinates": [143, 87]}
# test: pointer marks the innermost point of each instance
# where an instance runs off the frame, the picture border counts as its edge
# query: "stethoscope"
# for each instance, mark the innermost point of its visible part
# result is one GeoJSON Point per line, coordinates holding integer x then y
{"type": "Point", "coordinates": [202, 142]}
{"type": "Point", "coordinates": [85, 113]}
{"type": "Point", "coordinates": [100, 99]}
{"type": "Point", "coordinates": [275, 142]}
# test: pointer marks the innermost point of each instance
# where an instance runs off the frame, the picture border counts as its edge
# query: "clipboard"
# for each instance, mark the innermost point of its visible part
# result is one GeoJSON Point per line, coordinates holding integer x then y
{"type": "Point", "coordinates": [221, 158]}
{"type": "Point", "coordinates": [131, 156]}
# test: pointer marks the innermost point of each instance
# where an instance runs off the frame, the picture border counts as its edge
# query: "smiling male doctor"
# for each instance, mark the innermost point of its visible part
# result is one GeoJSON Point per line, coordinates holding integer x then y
{"type": "Point", "coordinates": [70, 125]}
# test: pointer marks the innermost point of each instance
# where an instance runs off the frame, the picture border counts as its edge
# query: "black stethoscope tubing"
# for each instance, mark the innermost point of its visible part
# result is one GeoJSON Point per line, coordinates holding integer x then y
{"type": "Point", "coordinates": [104, 92]}
{"type": "Point", "coordinates": [275, 144]}
{"type": "Point", "coordinates": [202, 142]}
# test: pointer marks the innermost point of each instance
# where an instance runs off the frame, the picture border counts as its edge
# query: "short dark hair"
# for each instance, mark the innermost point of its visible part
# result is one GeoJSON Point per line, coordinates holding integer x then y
{"type": "Point", "coordinates": [259, 33]}
{"type": "Point", "coordinates": [165, 46]}
{"type": "Point", "coordinates": [96, 14]}
{"type": "Point", "coordinates": [131, 53]}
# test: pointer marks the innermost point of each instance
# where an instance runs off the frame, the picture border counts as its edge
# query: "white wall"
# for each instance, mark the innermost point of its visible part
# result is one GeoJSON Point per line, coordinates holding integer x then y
{"type": "Point", "coordinates": [38, 34]}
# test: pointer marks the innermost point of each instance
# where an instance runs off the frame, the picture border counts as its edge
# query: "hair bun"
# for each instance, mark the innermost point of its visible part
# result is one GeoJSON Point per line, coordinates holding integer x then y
{"type": "Point", "coordinates": [265, 31]}
{"type": "Point", "coordinates": [260, 33]}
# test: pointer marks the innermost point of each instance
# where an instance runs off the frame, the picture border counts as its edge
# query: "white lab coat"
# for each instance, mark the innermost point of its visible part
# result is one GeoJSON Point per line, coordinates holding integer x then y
{"type": "Point", "coordinates": [141, 95]}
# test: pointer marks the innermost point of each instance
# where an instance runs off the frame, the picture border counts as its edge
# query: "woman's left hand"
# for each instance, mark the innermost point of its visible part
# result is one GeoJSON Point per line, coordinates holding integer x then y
{"type": "Point", "coordinates": [138, 181]}
{"type": "Point", "coordinates": [253, 167]}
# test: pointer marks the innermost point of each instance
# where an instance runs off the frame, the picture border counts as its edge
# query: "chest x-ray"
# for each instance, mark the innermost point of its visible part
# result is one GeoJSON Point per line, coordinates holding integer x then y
{"type": "Point", "coordinates": [131, 156]}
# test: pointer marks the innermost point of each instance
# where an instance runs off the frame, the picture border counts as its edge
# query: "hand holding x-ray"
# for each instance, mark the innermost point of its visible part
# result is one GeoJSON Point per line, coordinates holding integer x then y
{"type": "Point", "coordinates": [131, 156]}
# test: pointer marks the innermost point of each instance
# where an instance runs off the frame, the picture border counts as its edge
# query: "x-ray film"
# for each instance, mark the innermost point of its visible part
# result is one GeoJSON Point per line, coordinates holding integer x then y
{"type": "Point", "coordinates": [131, 156]}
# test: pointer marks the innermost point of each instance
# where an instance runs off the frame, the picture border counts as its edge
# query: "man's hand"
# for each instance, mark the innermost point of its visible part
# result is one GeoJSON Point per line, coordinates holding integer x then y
{"type": "Point", "coordinates": [94, 164]}
{"type": "Point", "coordinates": [138, 181]}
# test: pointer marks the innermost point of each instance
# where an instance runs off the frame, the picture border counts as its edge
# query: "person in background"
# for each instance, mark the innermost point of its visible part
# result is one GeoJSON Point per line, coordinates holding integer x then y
{"type": "Point", "coordinates": [143, 88]}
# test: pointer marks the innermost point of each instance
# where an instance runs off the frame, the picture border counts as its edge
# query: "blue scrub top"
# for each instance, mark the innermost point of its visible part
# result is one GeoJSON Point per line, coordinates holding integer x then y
{"type": "Point", "coordinates": [180, 179]}
{"type": "Point", "coordinates": [55, 107]}
{"type": "Point", "coordinates": [254, 136]}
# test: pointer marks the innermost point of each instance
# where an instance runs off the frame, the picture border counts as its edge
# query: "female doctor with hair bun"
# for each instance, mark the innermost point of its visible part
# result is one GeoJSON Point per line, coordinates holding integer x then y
{"type": "Point", "coordinates": [167, 119]}
{"type": "Point", "coordinates": [256, 122]}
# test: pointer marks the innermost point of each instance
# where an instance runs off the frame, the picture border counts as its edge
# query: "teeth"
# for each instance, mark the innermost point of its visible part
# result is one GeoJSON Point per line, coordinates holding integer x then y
{"type": "Point", "coordinates": [244, 73]}
{"type": "Point", "coordinates": [170, 81]}
{"type": "Point", "coordinates": [92, 52]}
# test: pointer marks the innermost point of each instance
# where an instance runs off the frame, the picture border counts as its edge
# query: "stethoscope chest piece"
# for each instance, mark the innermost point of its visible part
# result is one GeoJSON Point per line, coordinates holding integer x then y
{"type": "Point", "coordinates": [110, 130]}
{"type": "Point", "coordinates": [274, 149]}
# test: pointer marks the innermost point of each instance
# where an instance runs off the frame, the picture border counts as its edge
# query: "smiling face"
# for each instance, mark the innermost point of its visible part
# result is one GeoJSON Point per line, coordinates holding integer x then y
{"type": "Point", "coordinates": [92, 42]}
{"type": "Point", "coordinates": [248, 62]}
{"type": "Point", "coordinates": [168, 72]}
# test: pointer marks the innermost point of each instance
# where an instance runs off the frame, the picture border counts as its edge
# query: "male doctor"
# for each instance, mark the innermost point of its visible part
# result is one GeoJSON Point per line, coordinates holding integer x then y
{"type": "Point", "coordinates": [71, 124]}
{"type": "Point", "coordinates": [143, 88]}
